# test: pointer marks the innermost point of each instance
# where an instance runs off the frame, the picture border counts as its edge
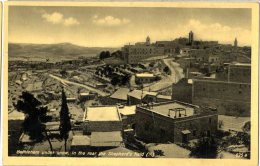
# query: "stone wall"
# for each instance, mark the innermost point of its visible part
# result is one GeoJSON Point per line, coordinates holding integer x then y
{"type": "Point", "coordinates": [225, 107]}
{"type": "Point", "coordinates": [153, 127]}
{"type": "Point", "coordinates": [101, 126]}
{"type": "Point", "coordinates": [229, 98]}
{"type": "Point", "coordinates": [111, 101]}
{"type": "Point", "coordinates": [128, 121]}
{"type": "Point", "coordinates": [157, 129]}
{"type": "Point", "coordinates": [182, 91]}
{"type": "Point", "coordinates": [239, 73]}
{"type": "Point", "coordinates": [198, 126]}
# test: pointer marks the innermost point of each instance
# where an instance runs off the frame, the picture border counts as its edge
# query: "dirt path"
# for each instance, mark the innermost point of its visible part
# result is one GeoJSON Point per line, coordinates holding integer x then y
{"type": "Point", "coordinates": [79, 84]}
{"type": "Point", "coordinates": [175, 76]}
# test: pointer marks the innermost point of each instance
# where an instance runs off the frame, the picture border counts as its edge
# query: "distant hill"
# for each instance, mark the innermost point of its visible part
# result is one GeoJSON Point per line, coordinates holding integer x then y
{"type": "Point", "coordinates": [55, 52]}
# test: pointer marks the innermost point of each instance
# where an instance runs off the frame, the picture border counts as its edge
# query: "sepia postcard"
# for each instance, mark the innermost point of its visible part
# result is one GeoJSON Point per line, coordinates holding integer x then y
{"type": "Point", "coordinates": [130, 83]}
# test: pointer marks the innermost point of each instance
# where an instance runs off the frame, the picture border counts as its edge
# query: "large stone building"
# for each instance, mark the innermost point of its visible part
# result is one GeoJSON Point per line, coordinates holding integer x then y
{"type": "Point", "coordinates": [144, 50]}
{"type": "Point", "coordinates": [239, 72]}
{"type": "Point", "coordinates": [174, 122]}
{"type": "Point", "coordinates": [230, 98]}
{"type": "Point", "coordinates": [139, 51]}
{"type": "Point", "coordinates": [235, 72]}
{"type": "Point", "coordinates": [103, 126]}
{"type": "Point", "coordinates": [102, 119]}
{"type": "Point", "coordinates": [205, 56]}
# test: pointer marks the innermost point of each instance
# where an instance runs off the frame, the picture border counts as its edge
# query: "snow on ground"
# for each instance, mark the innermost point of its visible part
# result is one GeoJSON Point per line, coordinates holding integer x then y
{"type": "Point", "coordinates": [175, 76]}
{"type": "Point", "coordinates": [232, 122]}
{"type": "Point", "coordinates": [171, 151]}
{"type": "Point", "coordinates": [227, 155]}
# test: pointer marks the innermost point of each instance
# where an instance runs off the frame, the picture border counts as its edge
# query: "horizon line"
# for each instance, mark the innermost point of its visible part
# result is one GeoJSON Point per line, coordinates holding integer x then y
{"type": "Point", "coordinates": [80, 45]}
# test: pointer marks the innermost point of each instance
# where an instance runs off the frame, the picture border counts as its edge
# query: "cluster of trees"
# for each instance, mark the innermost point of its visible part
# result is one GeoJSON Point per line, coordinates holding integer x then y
{"type": "Point", "coordinates": [108, 71]}
{"type": "Point", "coordinates": [64, 73]}
{"type": "Point", "coordinates": [166, 70]}
{"type": "Point", "coordinates": [206, 147]}
{"type": "Point", "coordinates": [107, 54]}
{"type": "Point", "coordinates": [34, 124]}
{"type": "Point", "coordinates": [35, 115]}
{"type": "Point", "coordinates": [177, 50]}
{"type": "Point", "coordinates": [117, 54]}
{"type": "Point", "coordinates": [151, 64]}
{"type": "Point", "coordinates": [122, 80]}
{"type": "Point", "coordinates": [247, 127]}
{"type": "Point", "coordinates": [104, 55]}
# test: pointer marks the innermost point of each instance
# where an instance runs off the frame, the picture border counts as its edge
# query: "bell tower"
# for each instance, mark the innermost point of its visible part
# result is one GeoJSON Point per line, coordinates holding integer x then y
{"type": "Point", "coordinates": [235, 42]}
{"type": "Point", "coordinates": [148, 41]}
{"type": "Point", "coordinates": [190, 37]}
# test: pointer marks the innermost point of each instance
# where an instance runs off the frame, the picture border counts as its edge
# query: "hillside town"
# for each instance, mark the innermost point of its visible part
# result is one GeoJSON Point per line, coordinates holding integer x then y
{"type": "Point", "coordinates": [182, 98]}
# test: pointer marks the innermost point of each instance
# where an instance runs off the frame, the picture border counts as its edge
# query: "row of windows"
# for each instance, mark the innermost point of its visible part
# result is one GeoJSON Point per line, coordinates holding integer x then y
{"type": "Point", "coordinates": [141, 52]}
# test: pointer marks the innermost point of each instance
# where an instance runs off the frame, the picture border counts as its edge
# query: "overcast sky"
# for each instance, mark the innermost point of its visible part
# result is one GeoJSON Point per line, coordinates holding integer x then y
{"type": "Point", "coordinates": [114, 27]}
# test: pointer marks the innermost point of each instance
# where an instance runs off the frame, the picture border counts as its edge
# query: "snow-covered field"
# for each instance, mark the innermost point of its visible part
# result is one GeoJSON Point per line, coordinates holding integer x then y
{"type": "Point", "coordinates": [232, 122]}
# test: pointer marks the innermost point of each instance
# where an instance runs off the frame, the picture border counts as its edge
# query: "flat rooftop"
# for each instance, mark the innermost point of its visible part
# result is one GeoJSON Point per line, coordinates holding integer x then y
{"type": "Point", "coordinates": [141, 94]}
{"type": "Point", "coordinates": [103, 113]}
{"type": "Point", "coordinates": [84, 94]}
{"type": "Point", "coordinates": [164, 97]}
{"type": "Point", "coordinates": [241, 64]}
{"type": "Point", "coordinates": [163, 109]}
{"type": "Point", "coordinates": [121, 94]}
{"type": "Point", "coordinates": [128, 110]}
{"type": "Point", "coordinates": [145, 75]}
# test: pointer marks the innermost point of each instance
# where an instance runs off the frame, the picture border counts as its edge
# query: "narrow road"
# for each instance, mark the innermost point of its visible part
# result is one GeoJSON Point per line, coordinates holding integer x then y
{"type": "Point", "coordinates": [174, 77]}
{"type": "Point", "coordinates": [132, 81]}
{"type": "Point", "coordinates": [176, 70]}
{"type": "Point", "coordinates": [79, 84]}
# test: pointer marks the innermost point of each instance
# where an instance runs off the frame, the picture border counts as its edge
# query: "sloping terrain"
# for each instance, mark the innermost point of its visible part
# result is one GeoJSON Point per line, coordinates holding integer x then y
{"type": "Point", "coordinates": [55, 52]}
